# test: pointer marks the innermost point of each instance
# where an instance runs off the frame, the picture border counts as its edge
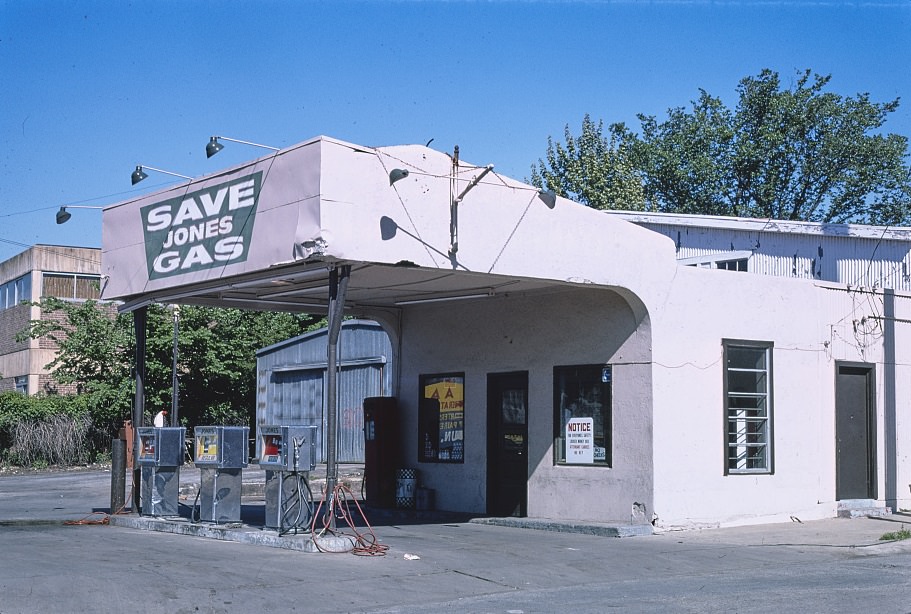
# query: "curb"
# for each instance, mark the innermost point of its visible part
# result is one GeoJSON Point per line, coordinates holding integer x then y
{"type": "Point", "coordinates": [241, 534]}
{"type": "Point", "coordinates": [28, 522]}
{"type": "Point", "coordinates": [543, 524]}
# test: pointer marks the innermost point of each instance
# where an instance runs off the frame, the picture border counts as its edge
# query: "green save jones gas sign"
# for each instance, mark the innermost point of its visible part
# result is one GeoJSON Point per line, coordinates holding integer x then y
{"type": "Point", "coordinates": [201, 230]}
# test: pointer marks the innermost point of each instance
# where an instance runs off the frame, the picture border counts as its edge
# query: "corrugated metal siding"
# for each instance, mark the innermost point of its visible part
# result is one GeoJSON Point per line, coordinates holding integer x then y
{"type": "Point", "coordinates": [855, 261]}
{"type": "Point", "coordinates": [297, 397]}
{"type": "Point", "coordinates": [292, 375]}
{"type": "Point", "coordinates": [355, 385]}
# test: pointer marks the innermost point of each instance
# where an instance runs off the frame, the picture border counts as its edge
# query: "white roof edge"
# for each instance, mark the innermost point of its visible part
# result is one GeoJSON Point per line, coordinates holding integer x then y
{"type": "Point", "coordinates": [896, 233]}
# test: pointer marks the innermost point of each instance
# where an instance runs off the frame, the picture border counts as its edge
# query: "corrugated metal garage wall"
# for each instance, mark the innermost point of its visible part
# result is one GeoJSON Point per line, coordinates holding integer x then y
{"type": "Point", "coordinates": [291, 382]}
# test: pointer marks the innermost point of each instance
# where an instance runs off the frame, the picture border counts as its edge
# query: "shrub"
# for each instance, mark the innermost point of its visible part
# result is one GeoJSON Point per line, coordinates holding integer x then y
{"type": "Point", "coordinates": [224, 413]}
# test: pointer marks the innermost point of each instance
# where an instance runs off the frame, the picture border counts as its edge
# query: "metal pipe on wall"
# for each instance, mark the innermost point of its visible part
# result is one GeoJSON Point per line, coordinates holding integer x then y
{"type": "Point", "coordinates": [890, 404]}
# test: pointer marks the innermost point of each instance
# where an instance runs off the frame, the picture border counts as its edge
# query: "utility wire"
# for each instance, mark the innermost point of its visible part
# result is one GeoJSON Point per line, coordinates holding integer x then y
{"type": "Point", "coordinates": [57, 251]}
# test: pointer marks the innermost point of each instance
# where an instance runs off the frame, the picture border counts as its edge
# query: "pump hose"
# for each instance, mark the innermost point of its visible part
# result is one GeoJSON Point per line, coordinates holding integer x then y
{"type": "Point", "coordinates": [101, 517]}
{"type": "Point", "coordinates": [195, 511]}
{"type": "Point", "coordinates": [297, 502]}
{"type": "Point", "coordinates": [338, 506]}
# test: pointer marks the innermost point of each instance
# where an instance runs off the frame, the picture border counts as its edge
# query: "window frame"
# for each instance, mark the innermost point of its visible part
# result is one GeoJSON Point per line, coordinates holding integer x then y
{"type": "Point", "coordinates": [717, 259]}
{"type": "Point", "coordinates": [15, 291]}
{"type": "Point", "coordinates": [740, 265]}
{"type": "Point", "coordinates": [77, 281]}
{"type": "Point", "coordinates": [604, 370]}
{"type": "Point", "coordinates": [768, 430]}
{"type": "Point", "coordinates": [21, 384]}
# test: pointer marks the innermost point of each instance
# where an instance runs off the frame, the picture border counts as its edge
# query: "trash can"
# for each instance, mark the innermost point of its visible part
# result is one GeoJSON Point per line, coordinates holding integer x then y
{"type": "Point", "coordinates": [405, 486]}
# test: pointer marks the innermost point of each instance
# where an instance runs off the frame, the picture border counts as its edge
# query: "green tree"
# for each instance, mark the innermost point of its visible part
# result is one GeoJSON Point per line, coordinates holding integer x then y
{"type": "Point", "coordinates": [794, 153]}
{"type": "Point", "coordinates": [807, 154]}
{"type": "Point", "coordinates": [216, 356]}
{"type": "Point", "coordinates": [95, 353]}
{"type": "Point", "coordinates": [217, 359]}
{"type": "Point", "coordinates": [593, 169]}
{"type": "Point", "coordinates": [685, 161]}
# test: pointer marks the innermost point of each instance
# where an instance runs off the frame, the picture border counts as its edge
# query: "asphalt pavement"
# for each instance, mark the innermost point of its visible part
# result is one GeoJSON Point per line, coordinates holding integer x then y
{"type": "Point", "coordinates": [61, 551]}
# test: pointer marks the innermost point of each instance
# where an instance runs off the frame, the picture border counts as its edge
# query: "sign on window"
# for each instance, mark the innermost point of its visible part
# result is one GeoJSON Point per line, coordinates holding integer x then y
{"type": "Point", "coordinates": [580, 440]}
{"type": "Point", "coordinates": [441, 418]}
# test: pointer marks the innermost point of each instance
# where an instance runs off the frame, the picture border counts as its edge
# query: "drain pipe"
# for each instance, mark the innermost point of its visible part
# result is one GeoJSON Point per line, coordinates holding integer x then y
{"type": "Point", "coordinates": [338, 288]}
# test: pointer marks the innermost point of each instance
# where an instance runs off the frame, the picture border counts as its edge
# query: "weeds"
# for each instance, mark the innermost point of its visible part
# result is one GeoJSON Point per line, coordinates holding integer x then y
{"type": "Point", "coordinates": [47, 430]}
{"type": "Point", "coordinates": [901, 534]}
{"type": "Point", "coordinates": [55, 440]}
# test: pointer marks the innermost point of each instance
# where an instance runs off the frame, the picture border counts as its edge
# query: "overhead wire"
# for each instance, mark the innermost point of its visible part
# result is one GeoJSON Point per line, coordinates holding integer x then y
{"type": "Point", "coordinates": [66, 204]}
{"type": "Point", "coordinates": [511, 234]}
{"type": "Point", "coordinates": [56, 251]}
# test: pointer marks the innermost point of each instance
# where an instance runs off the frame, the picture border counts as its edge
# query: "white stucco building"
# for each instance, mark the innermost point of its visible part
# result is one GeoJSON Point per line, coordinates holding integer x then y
{"type": "Point", "coordinates": [551, 360]}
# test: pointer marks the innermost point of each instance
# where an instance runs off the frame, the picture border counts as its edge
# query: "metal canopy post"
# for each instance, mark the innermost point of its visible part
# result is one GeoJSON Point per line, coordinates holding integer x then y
{"type": "Point", "coordinates": [338, 287]}
{"type": "Point", "coordinates": [175, 387]}
{"type": "Point", "coordinates": [140, 318]}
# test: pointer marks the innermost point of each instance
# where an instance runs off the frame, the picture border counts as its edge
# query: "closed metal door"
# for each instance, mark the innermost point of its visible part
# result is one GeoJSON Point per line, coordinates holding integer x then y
{"type": "Point", "coordinates": [855, 468]}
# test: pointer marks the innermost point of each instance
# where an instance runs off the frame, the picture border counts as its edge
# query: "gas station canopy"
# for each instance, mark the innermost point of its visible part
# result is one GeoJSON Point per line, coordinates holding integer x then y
{"type": "Point", "coordinates": [414, 225]}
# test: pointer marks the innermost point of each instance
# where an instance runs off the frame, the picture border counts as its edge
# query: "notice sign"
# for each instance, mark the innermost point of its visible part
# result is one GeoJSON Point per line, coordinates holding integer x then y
{"type": "Point", "coordinates": [580, 440]}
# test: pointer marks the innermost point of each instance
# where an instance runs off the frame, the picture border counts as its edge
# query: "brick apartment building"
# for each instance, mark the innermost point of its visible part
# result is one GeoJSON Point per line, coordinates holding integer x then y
{"type": "Point", "coordinates": [69, 273]}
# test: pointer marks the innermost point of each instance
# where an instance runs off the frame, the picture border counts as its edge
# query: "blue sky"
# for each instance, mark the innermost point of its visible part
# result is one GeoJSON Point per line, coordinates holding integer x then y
{"type": "Point", "coordinates": [89, 89]}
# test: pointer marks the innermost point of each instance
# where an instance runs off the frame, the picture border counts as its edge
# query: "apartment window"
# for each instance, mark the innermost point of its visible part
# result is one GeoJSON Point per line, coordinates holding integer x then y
{"type": "Point", "coordinates": [582, 414]}
{"type": "Point", "coordinates": [14, 292]}
{"type": "Point", "coordinates": [71, 287]}
{"type": "Point", "coordinates": [748, 411]}
{"type": "Point", "coordinates": [21, 382]}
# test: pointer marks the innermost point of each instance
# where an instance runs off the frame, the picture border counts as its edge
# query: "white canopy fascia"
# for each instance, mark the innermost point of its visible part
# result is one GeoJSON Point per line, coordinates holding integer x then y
{"type": "Point", "coordinates": [264, 235]}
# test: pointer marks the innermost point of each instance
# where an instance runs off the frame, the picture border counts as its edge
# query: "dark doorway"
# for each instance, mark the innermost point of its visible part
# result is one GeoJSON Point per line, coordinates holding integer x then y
{"type": "Point", "coordinates": [855, 428]}
{"type": "Point", "coordinates": [507, 444]}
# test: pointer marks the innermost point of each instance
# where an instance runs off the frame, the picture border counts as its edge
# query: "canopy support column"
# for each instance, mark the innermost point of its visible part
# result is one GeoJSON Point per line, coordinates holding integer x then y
{"type": "Point", "coordinates": [140, 319]}
{"type": "Point", "coordinates": [338, 288]}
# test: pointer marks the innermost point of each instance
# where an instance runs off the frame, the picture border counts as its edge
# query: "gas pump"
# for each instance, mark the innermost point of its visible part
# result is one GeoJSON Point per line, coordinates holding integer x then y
{"type": "Point", "coordinates": [160, 456]}
{"type": "Point", "coordinates": [381, 450]}
{"type": "Point", "coordinates": [220, 453]}
{"type": "Point", "coordinates": [288, 454]}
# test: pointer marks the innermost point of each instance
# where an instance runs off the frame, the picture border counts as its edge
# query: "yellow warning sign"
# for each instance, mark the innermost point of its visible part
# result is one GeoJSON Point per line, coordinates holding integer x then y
{"type": "Point", "coordinates": [207, 448]}
{"type": "Point", "coordinates": [446, 444]}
